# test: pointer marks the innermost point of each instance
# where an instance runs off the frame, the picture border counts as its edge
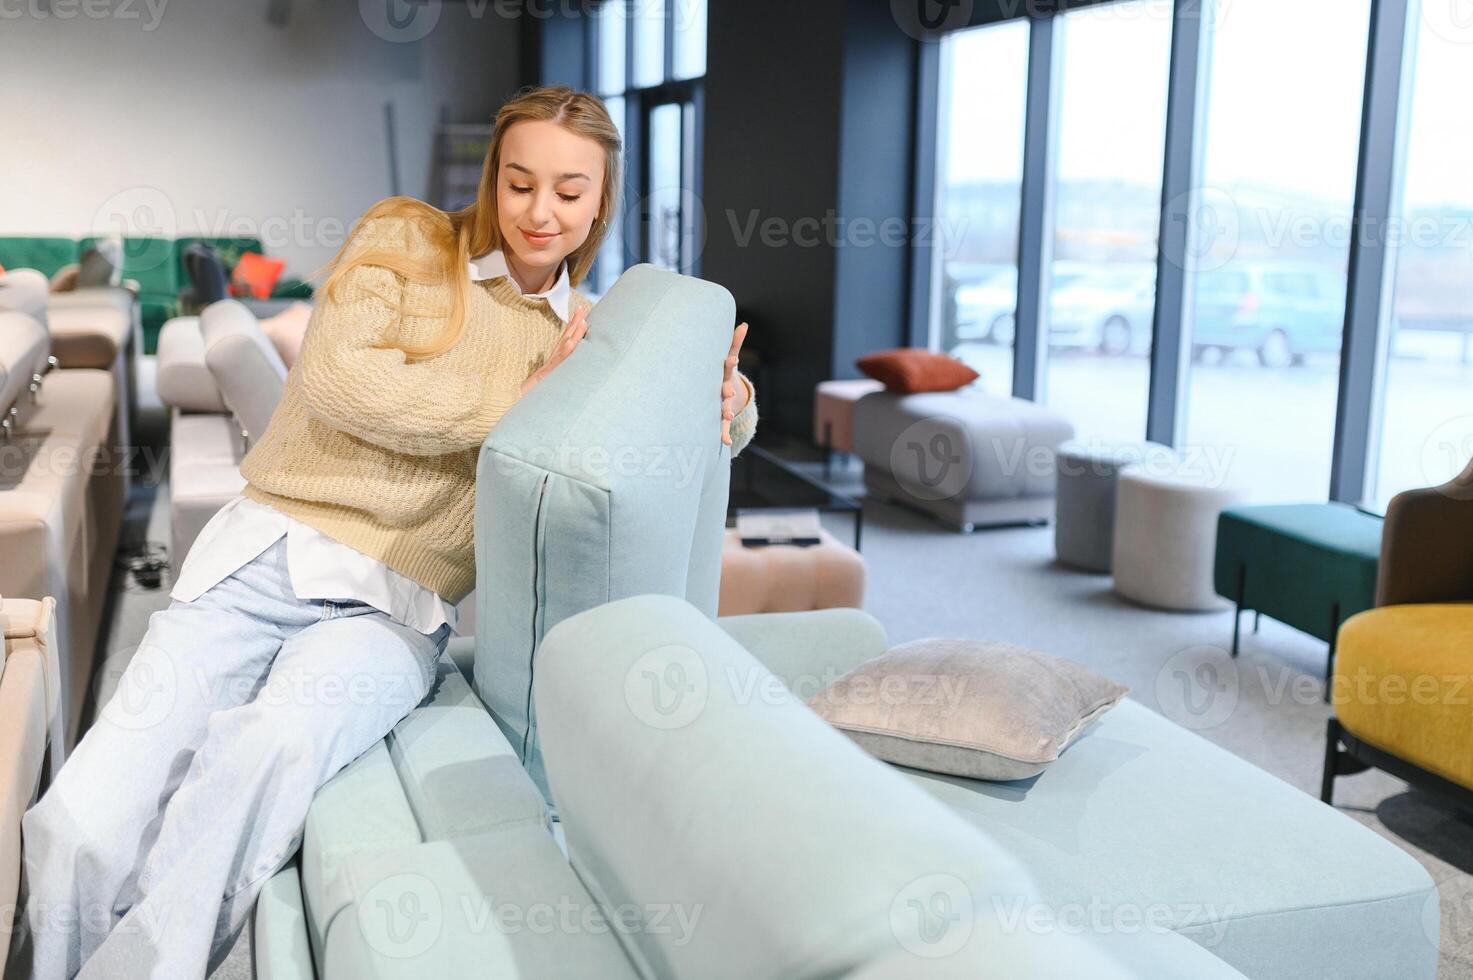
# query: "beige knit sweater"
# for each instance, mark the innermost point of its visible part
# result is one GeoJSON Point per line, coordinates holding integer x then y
{"type": "Point", "coordinates": [380, 453]}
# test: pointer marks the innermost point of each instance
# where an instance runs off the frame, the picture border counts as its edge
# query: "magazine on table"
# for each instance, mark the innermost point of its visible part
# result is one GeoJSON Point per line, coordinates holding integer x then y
{"type": "Point", "coordinates": [776, 526]}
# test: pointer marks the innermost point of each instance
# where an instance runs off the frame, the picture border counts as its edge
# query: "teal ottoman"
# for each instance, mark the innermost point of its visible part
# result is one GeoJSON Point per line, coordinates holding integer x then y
{"type": "Point", "coordinates": [1311, 566]}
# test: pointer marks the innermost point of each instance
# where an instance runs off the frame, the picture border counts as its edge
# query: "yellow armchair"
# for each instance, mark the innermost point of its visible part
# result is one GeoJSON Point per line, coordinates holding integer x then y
{"type": "Point", "coordinates": [1403, 681]}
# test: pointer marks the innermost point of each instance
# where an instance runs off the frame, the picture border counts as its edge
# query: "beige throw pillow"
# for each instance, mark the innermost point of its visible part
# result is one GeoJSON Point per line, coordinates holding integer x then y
{"type": "Point", "coordinates": [966, 707]}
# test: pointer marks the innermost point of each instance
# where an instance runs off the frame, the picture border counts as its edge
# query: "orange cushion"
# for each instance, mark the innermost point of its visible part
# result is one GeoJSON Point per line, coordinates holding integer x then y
{"type": "Point", "coordinates": [911, 369]}
{"type": "Point", "coordinates": [255, 275]}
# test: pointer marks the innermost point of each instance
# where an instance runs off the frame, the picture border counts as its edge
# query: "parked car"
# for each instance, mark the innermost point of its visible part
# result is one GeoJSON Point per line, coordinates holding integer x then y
{"type": "Point", "coordinates": [985, 309]}
{"type": "Point", "coordinates": [1280, 310]}
{"type": "Point", "coordinates": [1109, 310]}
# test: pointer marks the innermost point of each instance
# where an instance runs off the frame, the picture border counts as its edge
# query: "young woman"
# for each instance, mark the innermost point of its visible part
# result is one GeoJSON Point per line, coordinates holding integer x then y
{"type": "Point", "coordinates": [311, 611]}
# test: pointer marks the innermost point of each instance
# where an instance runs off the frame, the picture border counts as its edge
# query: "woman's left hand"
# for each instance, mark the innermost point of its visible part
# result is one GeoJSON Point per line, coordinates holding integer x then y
{"type": "Point", "coordinates": [733, 391]}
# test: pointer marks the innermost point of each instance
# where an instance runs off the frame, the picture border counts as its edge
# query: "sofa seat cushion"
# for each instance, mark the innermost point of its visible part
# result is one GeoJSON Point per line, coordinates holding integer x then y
{"type": "Point", "coordinates": [1143, 818]}
{"type": "Point", "coordinates": [88, 336]}
{"type": "Point", "coordinates": [112, 297]}
{"type": "Point", "coordinates": [78, 402]}
{"type": "Point", "coordinates": [204, 474]}
{"type": "Point", "coordinates": [1401, 683]}
{"type": "Point", "coordinates": [444, 772]}
{"type": "Point", "coordinates": [499, 904]}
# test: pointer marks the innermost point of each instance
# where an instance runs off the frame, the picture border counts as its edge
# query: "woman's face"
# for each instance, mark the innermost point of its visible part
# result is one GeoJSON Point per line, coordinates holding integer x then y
{"type": "Point", "coordinates": [547, 193]}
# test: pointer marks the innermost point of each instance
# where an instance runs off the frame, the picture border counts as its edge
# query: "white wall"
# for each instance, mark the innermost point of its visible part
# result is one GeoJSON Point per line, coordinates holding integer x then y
{"type": "Point", "coordinates": [198, 116]}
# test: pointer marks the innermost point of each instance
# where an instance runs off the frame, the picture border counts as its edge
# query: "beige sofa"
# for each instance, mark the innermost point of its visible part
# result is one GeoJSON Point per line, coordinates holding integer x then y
{"type": "Point", "coordinates": [61, 500]}
{"type": "Point", "coordinates": [96, 327]}
{"type": "Point", "coordinates": [29, 700]}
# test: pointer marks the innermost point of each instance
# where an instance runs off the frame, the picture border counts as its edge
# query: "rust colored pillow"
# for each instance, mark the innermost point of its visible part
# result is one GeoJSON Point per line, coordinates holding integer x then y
{"type": "Point", "coordinates": [256, 275]}
{"type": "Point", "coordinates": [908, 370]}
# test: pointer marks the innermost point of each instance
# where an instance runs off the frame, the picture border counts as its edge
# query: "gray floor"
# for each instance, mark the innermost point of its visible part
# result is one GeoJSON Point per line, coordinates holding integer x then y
{"type": "Point", "coordinates": [1004, 585]}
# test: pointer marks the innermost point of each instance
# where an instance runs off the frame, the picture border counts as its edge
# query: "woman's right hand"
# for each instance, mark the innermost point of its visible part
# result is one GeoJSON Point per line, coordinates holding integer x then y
{"type": "Point", "coordinates": [576, 329]}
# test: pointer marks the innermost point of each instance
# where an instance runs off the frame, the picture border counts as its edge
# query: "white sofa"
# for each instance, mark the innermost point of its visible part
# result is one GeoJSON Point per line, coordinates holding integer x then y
{"type": "Point", "coordinates": [200, 360]}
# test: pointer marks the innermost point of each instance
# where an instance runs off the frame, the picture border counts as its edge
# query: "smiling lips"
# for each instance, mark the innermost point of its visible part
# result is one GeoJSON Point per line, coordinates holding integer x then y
{"type": "Point", "coordinates": [537, 239]}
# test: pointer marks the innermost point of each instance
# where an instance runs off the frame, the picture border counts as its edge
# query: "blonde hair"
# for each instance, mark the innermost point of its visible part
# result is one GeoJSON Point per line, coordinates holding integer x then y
{"type": "Point", "coordinates": [474, 229]}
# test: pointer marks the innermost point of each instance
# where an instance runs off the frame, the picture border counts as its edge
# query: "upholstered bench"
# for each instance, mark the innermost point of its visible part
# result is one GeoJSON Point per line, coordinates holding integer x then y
{"type": "Point", "coordinates": [833, 414]}
{"type": "Point", "coordinates": [1165, 528]}
{"type": "Point", "coordinates": [1084, 530]}
{"type": "Point", "coordinates": [966, 458]}
{"type": "Point", "coordinates": [1312, 566]}
{"type": "Point", "coordinates": [787, 577]}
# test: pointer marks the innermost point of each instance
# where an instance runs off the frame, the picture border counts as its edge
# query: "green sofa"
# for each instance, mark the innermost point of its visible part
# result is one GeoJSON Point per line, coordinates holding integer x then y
{"type": "Point", "coordinates": [156, 264]}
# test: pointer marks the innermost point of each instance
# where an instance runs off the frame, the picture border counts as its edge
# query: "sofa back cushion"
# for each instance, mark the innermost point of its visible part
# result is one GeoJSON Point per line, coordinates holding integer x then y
{"type": "Point", "coordinates": [152, 262]}
{"type": "Point", "coordinates": [244, 363]}
{"type": "Point", "coordinates": [608, 479]}
{"type": "Point", "coordinates": [25, 291]}
{"type": "Point", "coordinates": [24, 346]}
{"type": "Point", "coordinates": [183, 379]}
{"type": "Point", "coordinates": [45, 253]}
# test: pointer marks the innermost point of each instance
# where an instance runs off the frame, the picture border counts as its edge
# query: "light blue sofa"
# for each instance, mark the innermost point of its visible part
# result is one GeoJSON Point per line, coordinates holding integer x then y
{"type": "Point", "coordinates": [1144, 851]}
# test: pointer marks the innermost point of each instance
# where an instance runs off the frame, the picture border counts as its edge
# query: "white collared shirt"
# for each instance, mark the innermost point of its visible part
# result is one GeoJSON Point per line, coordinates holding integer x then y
{"type": "Point", "coordinates": [320, 567]}
{"type": "Point", "coordinates": [491, 264]}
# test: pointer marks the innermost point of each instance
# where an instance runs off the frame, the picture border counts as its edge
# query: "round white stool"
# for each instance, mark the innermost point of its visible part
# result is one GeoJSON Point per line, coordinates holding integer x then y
{"type": "Point", "coordinates": [1084, 498]}
{"type": "Point", "coordinates": [1166, 534]}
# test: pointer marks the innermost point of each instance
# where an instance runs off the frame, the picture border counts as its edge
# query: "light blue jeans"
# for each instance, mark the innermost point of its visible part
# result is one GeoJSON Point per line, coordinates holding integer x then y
{"type": "Point", "coordinates": [146, 854]}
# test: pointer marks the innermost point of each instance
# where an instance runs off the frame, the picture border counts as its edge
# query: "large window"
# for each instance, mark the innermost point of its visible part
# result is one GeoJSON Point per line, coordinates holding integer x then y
{"type": "Point", "coordinates": [1426, 425]}
{"type": "Point", "coordinates": [648, 57]}
{"type": "Point", "coordinates": [980, 172]}
{"type": "Point", "coordinates": [1268, 310]}
{"type": "Point", "coordinates": [1102, 293]}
